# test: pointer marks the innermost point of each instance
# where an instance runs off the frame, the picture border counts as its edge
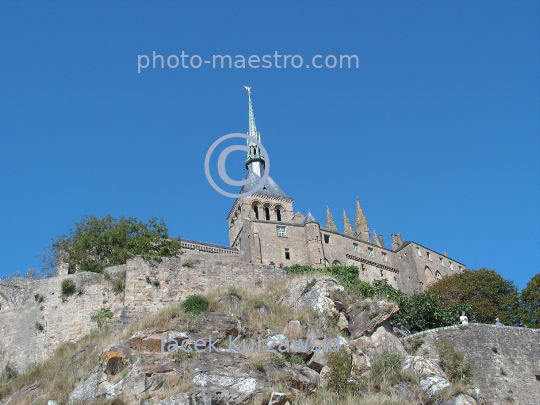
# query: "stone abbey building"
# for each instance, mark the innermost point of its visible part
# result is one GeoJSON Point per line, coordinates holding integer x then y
{"type": "Point", "coordinates": [264, 227]}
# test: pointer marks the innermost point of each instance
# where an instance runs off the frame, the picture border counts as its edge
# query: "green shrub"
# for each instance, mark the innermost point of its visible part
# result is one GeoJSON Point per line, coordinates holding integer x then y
{"type": "Point", "coordinates": [102, 317]}
{"type": "Point", "coordinates": [188, 263]}
{"type": "Point", "coordinates": [453, 363]}
{"type": "Point", "coordinates": [68, 287]}
{"type": "Point", "coordinates": [118, 284]}
{"type": "Point", "coordinates": [96, 243]}
{"type": "Point", "coordinates": [340, 372]}
{"type": "Point", "coordinates": [39, 327]}
{"type": "Point", "coordinates": [386, 367]}
{"type": "Point", "coordinates": [195, 304]}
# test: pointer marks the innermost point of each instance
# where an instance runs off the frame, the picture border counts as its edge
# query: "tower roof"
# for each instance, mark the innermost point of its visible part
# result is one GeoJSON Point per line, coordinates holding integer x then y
{"type": "Point", "coordinates": [270, 187]}
{"type": "Point", "coordinates": [309, 218]}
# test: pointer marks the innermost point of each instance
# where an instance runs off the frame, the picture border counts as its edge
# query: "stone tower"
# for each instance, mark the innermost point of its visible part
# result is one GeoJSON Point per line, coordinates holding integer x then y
{"type": "Point", "coordinates": [267, 204]}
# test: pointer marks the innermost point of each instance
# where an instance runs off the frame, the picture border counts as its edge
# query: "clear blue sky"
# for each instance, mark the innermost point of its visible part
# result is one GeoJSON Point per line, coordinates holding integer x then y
{"type": "Point", "coordinates": [437, 132]}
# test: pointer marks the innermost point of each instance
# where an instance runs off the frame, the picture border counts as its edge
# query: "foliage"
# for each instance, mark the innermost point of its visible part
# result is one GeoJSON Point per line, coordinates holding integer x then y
{"type": "Point", "coordinates": [96, 243]}
{"type": "Point", "coordinates": [387, 366]}
{"type": "Point", "coordinates": [195, 304]}
{"type": "Point", "coordinates": [488, 293]}
{"type": "Point", "coordinates": [68, 286]}
{"type": "Point", "coordinates": [453, 362]}
{"type": "Point", "coordinates": [118, 284]}
{"type": "Point", "coordinates": [530, 303]}
{"type": "Point", "coordinates": [416, 313]}
{"type": "Point", "coordinates": [39, 327]}
{"type": "Point", "coordinates": [102, 317]}
{"type": "Point", "coordinates": [188, 263]}
{"type": "Point", "coordinates": [340, 371]}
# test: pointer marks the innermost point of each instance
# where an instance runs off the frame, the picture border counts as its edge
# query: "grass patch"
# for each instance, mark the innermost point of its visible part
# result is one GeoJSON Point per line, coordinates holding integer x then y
{"type": "Point", "coordinates": [195, 304]}
{"type": "Point", "coordinates": [452, 362]}
{"type": "Point", "coordinates": [68, 287]}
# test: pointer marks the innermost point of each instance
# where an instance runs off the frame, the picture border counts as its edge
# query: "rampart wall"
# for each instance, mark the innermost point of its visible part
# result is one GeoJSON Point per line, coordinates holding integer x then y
{"type": "Point", "coordinates": [35, 318]}
{"type": "Point", "coordinates": [505, 359]}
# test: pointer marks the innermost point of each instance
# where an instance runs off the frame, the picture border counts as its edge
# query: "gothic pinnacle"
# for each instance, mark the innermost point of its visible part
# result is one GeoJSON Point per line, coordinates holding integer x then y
{"type": "Point", "coordinates": [330, 224]}
{"type": "Point", "coordinates": [347, 228]}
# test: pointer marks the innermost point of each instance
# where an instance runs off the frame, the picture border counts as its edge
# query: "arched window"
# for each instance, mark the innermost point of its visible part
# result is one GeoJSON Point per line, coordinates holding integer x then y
{"type": "Point", "coordinates": [278, 213]}
{"type": "Point", "coordinates": [256, 211]}
{"type": "Point", "coordinates": [267, 212]}
{"type": "Point", "coordinates": [429, 275]}
{"type": "Point", "coordinates": [335, 262]}
{"type": "Point", "coordinates": [438, 276]}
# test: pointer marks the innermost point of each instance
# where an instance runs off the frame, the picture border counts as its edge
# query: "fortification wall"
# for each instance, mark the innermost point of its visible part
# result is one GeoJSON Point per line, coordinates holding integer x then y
{"type": "Point", "coordinates": [67, 319]}
{"type": "Point", "coordinates": [505, 360]}
{"type": "Point", "coordinates": [171, 281]}
{"type": "Point", "coordinates": [39, 318]}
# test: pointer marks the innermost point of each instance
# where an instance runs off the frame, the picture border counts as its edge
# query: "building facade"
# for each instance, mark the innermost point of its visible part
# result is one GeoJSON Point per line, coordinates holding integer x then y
{"type": "Point", "coordinates": [264, 227]}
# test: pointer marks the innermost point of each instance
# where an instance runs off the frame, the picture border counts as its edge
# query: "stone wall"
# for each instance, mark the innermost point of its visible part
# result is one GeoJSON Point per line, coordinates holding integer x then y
{"type": "Point", "coordinates": [153, 286]}
{"type": "Point", "coordinates": [39, 318]}
{"type": "Point", "coordinates": [31, 328]}
{"type": "Point", "coordinates": [505, 360]}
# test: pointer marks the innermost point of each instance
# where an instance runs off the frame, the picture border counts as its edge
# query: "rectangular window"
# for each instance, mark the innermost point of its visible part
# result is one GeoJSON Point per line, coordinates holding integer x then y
{"type": "Point", "coordinates": [287, 254]}
{"type": "Point", "coordinates": [460, 270]}
{"type": "Point", "coordinates": [441, 261]}
{"type": "Point", "coordinates": [384, 257]}
{"type": "Point", "coordinates": [355, 247]}
{"type": "Point", "coordinates": [429, 256]}
{"type": "Point", "coordinates": [451, 266]}
{"type": "Point", "coordinates": [418, 251]}
{"type": "Point", "coordinates": [370, 252]}
{"type": "Point", "coordinates": [326, 238]}
{"type": "Point", "coordinates": [281, 230]}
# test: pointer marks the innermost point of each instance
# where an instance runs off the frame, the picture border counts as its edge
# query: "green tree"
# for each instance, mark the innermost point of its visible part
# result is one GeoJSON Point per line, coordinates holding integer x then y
{"type": "Point", "coordinates": [530, 303]}
{"type": "Point", "coordinates": [96, 243]}
{"type": "Point", "coordinates": [488, 293]}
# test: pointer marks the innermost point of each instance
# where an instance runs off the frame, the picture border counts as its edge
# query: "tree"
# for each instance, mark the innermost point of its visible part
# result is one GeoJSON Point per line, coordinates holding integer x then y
{"type": "Point", "coordinates": [96, 243]}
{"type": "Point", "coordinates": [488, 293]}
{"type": "Point", "coordinates": [530, 303]}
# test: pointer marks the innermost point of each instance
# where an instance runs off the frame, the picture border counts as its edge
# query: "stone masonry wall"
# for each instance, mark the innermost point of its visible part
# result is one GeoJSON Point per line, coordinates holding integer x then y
{"type": "Point", "coordinates": [31, 330]}
{"type": "Point", "coordinates": [171, 281]}
{"type": "Point", "coordinates": [505, 360]}
{"type": "Point", "coordinates": [67, 319]}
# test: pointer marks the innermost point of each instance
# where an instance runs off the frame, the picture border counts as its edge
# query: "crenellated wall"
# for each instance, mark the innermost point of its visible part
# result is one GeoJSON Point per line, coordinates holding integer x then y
{"type": "Point", "coordinates": [505, 359]}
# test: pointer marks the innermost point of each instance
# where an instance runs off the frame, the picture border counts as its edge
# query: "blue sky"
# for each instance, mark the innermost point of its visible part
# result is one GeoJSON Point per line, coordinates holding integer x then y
{"type": "Point", "coordinates": [437, 131]}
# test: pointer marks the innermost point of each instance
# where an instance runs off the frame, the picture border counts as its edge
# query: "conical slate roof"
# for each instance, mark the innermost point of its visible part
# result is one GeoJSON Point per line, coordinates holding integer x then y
{"type": "Point", "coordinates": [270, 187]}
{"type": "Point", "coordinates": [309, 218]}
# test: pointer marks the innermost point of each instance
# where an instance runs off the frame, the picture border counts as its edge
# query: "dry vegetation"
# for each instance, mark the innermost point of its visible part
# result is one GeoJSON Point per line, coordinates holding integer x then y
{"type": "Point", "coordinates": [60, 374]}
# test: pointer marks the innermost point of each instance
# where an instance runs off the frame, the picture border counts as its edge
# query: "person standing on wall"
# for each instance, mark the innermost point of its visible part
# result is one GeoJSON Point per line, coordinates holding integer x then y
{"type": "Point", "coordinates": [463, 318]}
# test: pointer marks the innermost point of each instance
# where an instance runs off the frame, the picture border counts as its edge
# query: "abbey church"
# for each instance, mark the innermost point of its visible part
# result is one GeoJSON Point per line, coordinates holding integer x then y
{"type": "Point", "coordinates": [264, 227]}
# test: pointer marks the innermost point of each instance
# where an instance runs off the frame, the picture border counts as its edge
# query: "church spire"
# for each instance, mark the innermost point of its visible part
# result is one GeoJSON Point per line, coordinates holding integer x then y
{"type": "Point", "coordinates": [362, 229]}
{"type": "Point", "coordinates": [347, 228]}
{"type": "Point", "coordinates": [330, 224]}
{"type": "Point", "coordinates": [254, 159]}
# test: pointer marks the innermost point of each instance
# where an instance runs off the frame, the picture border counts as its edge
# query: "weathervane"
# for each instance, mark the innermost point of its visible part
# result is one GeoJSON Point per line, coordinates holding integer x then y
{"type": "Point", "coordinates": [248, 89]}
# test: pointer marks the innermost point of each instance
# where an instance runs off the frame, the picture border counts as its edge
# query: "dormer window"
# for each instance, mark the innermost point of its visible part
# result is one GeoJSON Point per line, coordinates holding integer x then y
{"type": "Point", "coordinates": [370, 252]}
